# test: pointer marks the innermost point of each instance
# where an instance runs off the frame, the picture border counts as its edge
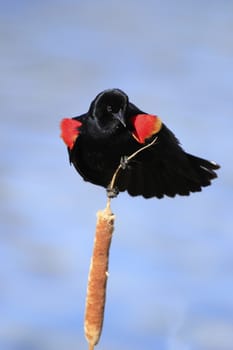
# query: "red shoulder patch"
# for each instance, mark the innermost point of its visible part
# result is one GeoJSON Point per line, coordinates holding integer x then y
{"type": "Point", "coordinates": [145, 126]}
{"type": "Point", "coordinates": [69, 131]}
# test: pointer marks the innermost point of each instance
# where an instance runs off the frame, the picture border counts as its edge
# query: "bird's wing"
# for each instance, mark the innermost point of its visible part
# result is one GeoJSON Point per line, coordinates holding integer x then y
{"type": "Point", "coordinates": [70, 131]}
{"type": "Point", "coordinates": [165, 169]}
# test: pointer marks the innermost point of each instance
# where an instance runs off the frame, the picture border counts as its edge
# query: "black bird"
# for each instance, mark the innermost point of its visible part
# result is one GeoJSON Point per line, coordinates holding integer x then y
{"type": "Point", "coordinates": [113, 129]}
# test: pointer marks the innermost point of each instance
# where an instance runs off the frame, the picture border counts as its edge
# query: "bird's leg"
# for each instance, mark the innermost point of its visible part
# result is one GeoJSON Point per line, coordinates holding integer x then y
{"type": "Point", "coordinates": [112, 192]}
{"type": "Point", "coordinates": [124, 162]}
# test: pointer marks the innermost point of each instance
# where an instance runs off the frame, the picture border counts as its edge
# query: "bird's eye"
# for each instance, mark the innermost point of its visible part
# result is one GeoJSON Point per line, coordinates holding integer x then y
{"type": "Point", "coordinates": [109, 108]}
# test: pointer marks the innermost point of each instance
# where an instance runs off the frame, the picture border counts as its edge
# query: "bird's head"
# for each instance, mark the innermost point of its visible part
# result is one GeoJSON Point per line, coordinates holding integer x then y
{"type": "Point", "coordinates": [109, 109]}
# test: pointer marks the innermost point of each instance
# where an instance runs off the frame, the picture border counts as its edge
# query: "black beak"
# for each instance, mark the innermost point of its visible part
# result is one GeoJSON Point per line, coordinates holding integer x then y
{"type": "Point", "coordinates": [120, 116]}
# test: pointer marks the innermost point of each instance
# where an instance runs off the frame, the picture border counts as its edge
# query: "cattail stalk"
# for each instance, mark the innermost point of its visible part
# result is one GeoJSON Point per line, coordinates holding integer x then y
{"type": "Point", "coordinates": [98, 273]}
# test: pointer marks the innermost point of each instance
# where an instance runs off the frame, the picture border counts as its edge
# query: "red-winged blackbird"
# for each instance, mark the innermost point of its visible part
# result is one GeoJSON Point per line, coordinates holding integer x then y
{"type": "Point", "coordinates": [113, 129]}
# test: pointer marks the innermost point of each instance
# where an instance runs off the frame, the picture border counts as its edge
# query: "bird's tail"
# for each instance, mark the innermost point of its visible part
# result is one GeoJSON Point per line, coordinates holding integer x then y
{"type": "Point", "coordinates": [204, 168]}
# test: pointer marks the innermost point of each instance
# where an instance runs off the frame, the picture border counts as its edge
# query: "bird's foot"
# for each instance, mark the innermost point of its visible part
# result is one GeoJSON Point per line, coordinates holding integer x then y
{"type": "Point", "coordinates": [112, 192]}
{"type": "Point", "coordinates": [124, 162]}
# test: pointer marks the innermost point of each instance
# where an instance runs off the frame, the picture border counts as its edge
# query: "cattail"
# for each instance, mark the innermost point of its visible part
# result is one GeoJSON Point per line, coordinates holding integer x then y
{"type": "Point", "coordinates": [98, 274]}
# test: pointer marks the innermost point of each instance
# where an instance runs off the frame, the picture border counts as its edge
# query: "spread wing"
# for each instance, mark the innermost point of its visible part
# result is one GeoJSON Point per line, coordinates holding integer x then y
{"type": "Point", "coordinates": [165, 169]}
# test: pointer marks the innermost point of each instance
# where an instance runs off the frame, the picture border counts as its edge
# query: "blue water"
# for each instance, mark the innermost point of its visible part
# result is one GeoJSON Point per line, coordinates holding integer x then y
{"type": "Point", "coordinates": [171, 261]}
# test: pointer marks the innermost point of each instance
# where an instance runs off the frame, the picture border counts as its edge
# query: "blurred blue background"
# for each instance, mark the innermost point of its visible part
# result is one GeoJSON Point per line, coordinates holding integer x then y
{"type": "Point", "coordinates": [171, 261]}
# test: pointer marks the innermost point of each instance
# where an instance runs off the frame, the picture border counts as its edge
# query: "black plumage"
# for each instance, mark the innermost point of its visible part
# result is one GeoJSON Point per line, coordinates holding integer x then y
{"type": "Point", "coordinates": [113, 129]}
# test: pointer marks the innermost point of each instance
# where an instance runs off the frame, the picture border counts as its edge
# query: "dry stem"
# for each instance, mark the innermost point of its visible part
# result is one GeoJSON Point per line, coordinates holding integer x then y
{"type": "Point", "coordinates": [98, 274]}
{"type": "Point", "coordinates": [113, 181]}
